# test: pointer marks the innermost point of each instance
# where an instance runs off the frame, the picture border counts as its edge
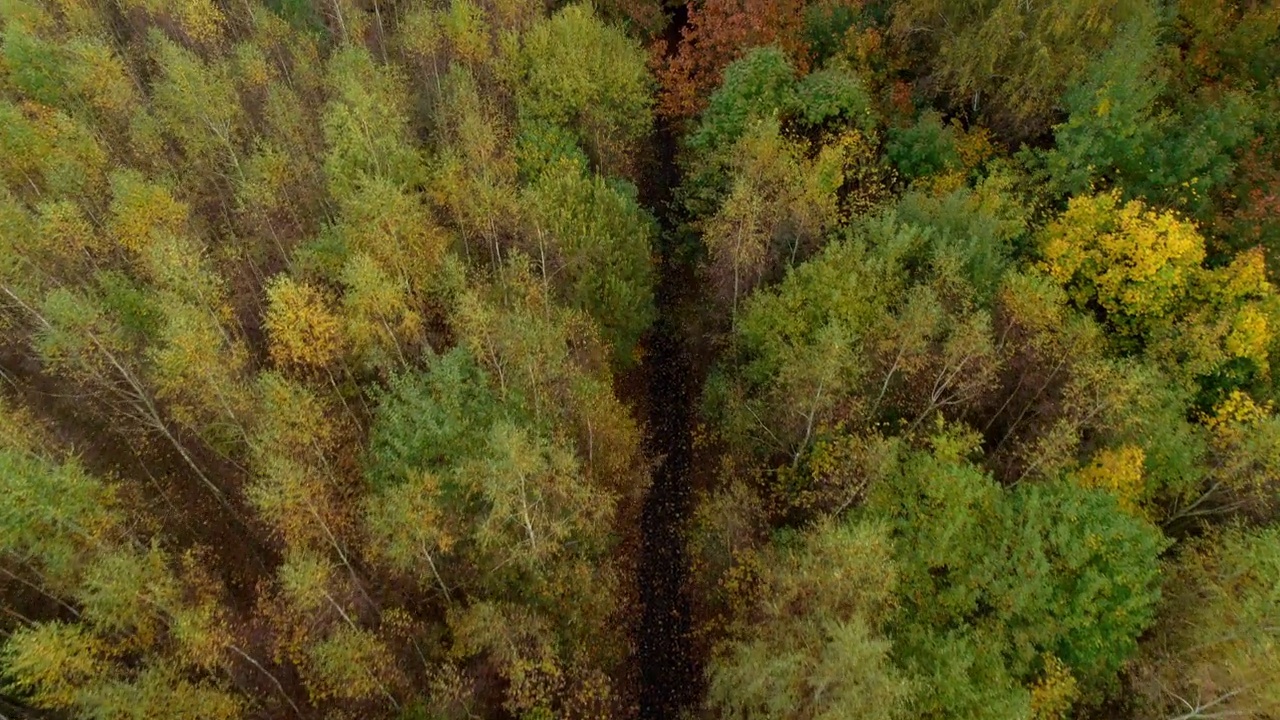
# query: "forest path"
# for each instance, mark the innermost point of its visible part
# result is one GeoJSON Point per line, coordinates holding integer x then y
{"type": "Point", "coordinates": [670, 676]}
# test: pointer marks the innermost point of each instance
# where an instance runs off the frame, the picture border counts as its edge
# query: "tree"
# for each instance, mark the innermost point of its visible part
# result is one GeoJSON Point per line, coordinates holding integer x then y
{"type": "Point", "coordinates": [978, 228]}
{"type": "Point", "coordinates": [59, 516]}
{"type": "Point", "coordinates": [1238, 476]}
{"type": "Point", "coordinates": [392, 226]}
{"type": "Point", "coordinates": [145, 630]}
{"type": "Point", "coordinates": [576, 72]}
{"type": "Point", "coordinates": [366, 126]}
{"type": "Point", "coordinates": [316, 617]}
{"type": "Point", "coordinates": [142, 210]}
{"type": "Point", "coordinates": [594, 246]}
{"type": "Point", "coordinates": [849, 338]}
{"type": "Point", "coordinates": [297, 487]}
{"type": "Point", "coordinates": [1214, 651]}
{"type": "Point", "coordinates": [719, 32]}
{"type": "Point", "coordinates": [509, 502]}
{"type": "Point", "coordinates": [48, 153]}
{"type": "Point", "coordinates": [812, 646]}
{"type": "Point", "coordinates": [800, 363]}
{"type": "Point", "coordinates": [775, 163]}
{"type": "Point", "coordinates": [197, 22]}
{"type": "Point", "coordinates": [479, 502]}
{"type": "Point", "coordinates": [76, 336]}
{"type": "Point", "coordinates": [1005, 579]}
{"type": "Point", "coordinates": [197, 107]}
{"type": "Point", "coordinates": [380, 316]}
{"type": "Point", "coordinates": [475, 174]}
{"type": "Point", "coordinates": [1126, 127]}
{"type": "Point", "coordinates": [779, 206]}
{"type": "Point", "coordinates": [1008, 61]}
{"type": "Point", "coordinates": [304, 332]}
{"type": "Point", "coordinates": [1141, 270]}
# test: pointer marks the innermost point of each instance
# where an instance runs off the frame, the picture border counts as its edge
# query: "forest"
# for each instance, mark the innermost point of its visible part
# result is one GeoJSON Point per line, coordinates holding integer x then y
{"type": "Point", "coordinates": [532, 359]}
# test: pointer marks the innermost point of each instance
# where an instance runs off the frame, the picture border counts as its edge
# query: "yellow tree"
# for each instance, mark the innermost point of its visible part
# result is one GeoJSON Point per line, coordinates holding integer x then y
{"type": "Point", "coordinates": [1142, 271]}
{"type": "Point", "coordinates": [146, 632]}
{"type": "Point", "coordinates": [303, 332]}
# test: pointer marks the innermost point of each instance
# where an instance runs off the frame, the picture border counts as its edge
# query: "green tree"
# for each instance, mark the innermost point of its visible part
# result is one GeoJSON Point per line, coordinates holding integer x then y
{"type": "Point", "coordinates": [1008, 61]}
{"type": "Point", "coordinates": [1127, 128]}
{"type": "Point", "coordinates": [366, 126]}
{"type": "Point", "coordinates": [197, 107]}
{"type": "Point", "coordinates": [594, 246]}
{"type": "Point", "coordinates": [813, 645]}
{"type": "Point", "coordinates": [1008, 578]}
{"type": "Point", "coordinates": [1214, 650]}
{"type": "Point", "coordinates": [576, 72]}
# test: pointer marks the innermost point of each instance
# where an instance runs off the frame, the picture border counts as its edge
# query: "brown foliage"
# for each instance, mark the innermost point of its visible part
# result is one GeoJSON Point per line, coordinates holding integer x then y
{"type": "Point", "coordinates": [719, 32]}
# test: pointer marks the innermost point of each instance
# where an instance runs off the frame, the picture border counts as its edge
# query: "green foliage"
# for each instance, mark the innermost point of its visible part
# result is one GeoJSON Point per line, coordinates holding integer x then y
{"type": "Point", "coordinates": [379, 280]}
{"type": "Point", "coordinates": [55, 516]}
{"type": "Point", "coordinates": [1044, 570]}
{"type": "Point", "coordinates": [759, 84]}
{"type": "Point", "coordinates": [923, 149]}
{"type": "Point", "coordinates": [1009, 61]}
{"type": "Point", "coordinates": [34, 66]}
{"type": "Point", "coordinates": [576, 72]}
{"type": "Point", "coordinates": [595, 240]}
{"type": "Point", "coordinates": [813, 646]}
{"type": "Point", "coordinates": [977, 228]}
{"type": "Point", "coordinates": [1123, 129]}
{"type": "Point", "coordinates": [430, 421]}
{"type": "Point", "coordinates": [800, 348]}
{"type": "Point", "coordinates": [831, 94]}
{"type": "Point", "coordinates": [1100, 579]}
{"type": "Point", "coordinates": [366, 126]}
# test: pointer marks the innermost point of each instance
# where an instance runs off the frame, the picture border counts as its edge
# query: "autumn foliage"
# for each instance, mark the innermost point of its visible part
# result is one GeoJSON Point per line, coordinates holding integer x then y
{"type": "Point", "coordinates": [457, 359]}
{"type": "Point", "coordinates": [717, 33]}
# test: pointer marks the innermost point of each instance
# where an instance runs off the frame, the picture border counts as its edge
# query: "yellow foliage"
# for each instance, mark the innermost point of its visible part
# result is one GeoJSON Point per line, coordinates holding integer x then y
{"type": "Point", "coordinates": [974, 145]}
{"type": "Point", "coordinates": [740, 582]}
{"type": "Point", "coordinates": [1054, 693]}
{"type": "Point", "coordinates": [53, 661]}
{"type": "Point", "coordinates": [379, 314]}
{"type": "Point", "coordinates": [942, 183]}
{"type": "Point", "coordinates": [1132, 260]}
{"type": "Point", "coordinates": [1250, 335]}
{"type": "Point", "coordinates": [65, 150]}
{"type": "Point", "coordinates": [1246, 275]}
{"type": "Point", "coordinates": [302, 331]}
{"type": "Point", "coordinates": [252, 67]}
{"type": "Point", "coordinates": [464, 25]}
{"type": "Point", "coordinates": [201, 19]}
{"type": "Point", "coordinates": [201, 633]}
{"type": "Point", "coordinates": [65, 232]}
{"type": "Point", "coordinates": [350, 664]}
{"type": "Point", "coordinates": [103, 79]}
{"type": "Point", "coordinates": [294, 500]}
{"type": "Point", "coordinates": [1118, 471]}
{"type": "Point", "coordinates": [31, 15]}
{"type": "Point", "coordinates": [80, 15]}
{"type": "Point", "coordinates": [1232, 415]}
{"type": "Point", "coordinates": [140, 209]}
{"type": "Point", "coordinates": [419, 34]}
{"type": "Point", "coordinates": [20, 429]}
{"type": "Point", "coordinates": [848, 161]}
{"type": "Point", "coordinates": [1243, 286]}
{"type": "Point", "coordinates": [1144, 269]}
